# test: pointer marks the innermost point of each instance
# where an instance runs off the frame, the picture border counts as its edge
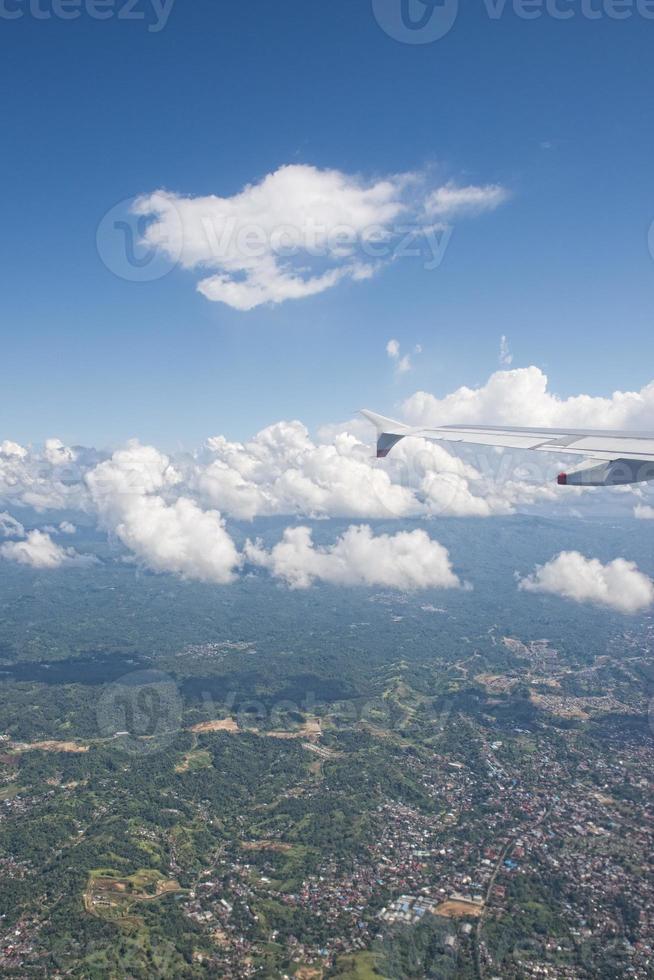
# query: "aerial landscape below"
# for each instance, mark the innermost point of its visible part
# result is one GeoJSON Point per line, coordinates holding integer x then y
{"type": "Point", "coordinates": [292, 688]}
{"type": "Point", "coordinates": [346, 783]}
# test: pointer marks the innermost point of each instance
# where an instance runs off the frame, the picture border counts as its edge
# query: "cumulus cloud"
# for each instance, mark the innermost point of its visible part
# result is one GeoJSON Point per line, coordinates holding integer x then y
{"type": "Point", "coordinates": [452, 199]}
{"type": "Point", "coordinates": [170, 512]}
{"type": "Point", "coordinates": [522, 397]}
{"type": "Point", "coordinates": [35, 548]}
{"type": "Point", "coordinates": [406, 561]}
{"type": "Point", "coordinates": [297, 232]}
{"type": "Point", "coordinates": [282, 471]}
{"type": "Point", "coordinates": [57, 454]}
{"type": "Point", "coordinates": [39, 551]}
{"type": "Point", "coordinates": [618, 585]}
{"type": "Point", "coordinates": [40, 479]}
{"type": "Point", "coordinates": [178, 536]}
{"type": "Point", "coordinates": [9, 448]}
{"type": "Point", "coordinates": [644, 512]}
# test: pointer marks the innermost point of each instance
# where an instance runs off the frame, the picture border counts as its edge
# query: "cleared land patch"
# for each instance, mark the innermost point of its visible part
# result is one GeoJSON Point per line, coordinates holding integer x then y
{"type": "Point", "coordinates": [51, 746]}
{"type": "Point", "coordinates": [311, 728]}
{"type": "Point", "coordinates": [195, 759]}
{"type": "Point", "coordinates": [109, 896]}
{"type": "Point", "coordinates": [455, 908]}
{"type": "Point", "coordinates": [219, 725]}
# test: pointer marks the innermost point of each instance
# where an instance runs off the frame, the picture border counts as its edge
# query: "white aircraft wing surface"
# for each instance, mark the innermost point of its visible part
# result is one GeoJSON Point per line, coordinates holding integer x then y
{"type": "Point", "coordinates": [625, 457]}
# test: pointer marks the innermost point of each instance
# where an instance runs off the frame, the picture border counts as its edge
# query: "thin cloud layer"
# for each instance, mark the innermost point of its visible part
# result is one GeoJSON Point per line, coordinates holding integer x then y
{"type": "Point", "coordinates": [617, 585]}
{"type": "Point", "coordinates": [403, 363]}
{"type": "Point", "coordinates": [10, 527]}
{"type": "Point", "coordinates": [452, 199]}
{"type": "Point", "coordinates": [505, 356]}
{"type": "Point", "coordinates": [299, 231]}
{"type": "Point", "coordinates": [405, 561]}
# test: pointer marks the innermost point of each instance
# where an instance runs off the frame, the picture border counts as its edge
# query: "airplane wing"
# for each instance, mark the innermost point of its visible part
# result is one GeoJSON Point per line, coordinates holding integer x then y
{"type": "Point", "coordinates": [623, 457]}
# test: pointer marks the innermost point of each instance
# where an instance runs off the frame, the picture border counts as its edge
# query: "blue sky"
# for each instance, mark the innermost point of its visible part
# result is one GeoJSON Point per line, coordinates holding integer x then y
{"type": "Point", "coordinates": [558, 112]}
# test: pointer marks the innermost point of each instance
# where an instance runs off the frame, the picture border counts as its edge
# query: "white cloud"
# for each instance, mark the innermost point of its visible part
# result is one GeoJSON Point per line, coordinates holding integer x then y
{"type": "Point", "coordinates": [282, 471]}
{"type": "Point", "coordinates": [452, 200]}
{"type": "Point", "coordinates": [259, 242]}
{"type": "Point", "coordinates": [37, 479]}
{"type": "Point", "coordinates": [64, 527]}
{"type": "Point", "coordinates": [619, 584]}
{"type": "Point", "coordinates": [403, 363]}
{"type": "Point", "coordinates": [521, 397]}
{"type": "Point", "coordinates": [506, 357]}
{"type": "Point", "coordinates": [297, 232]}
{"type": "Point", "coordinates": [8, 448]}
{"type": "Point", "coordinates": [179, 537]}
{"type": "Point", "coordinates": [39, 551]}
{"type": "Point", "coordinates": [175, 536]}
{"type": "Point", "coordinates": [146, 498]}
{"type": "Point", "coordinates": [407, 560]}
{"type": "Point", "coordinates": [10, 527]}
{"type": "Point", "coordinates": [57, 454]}
{"type": "Point", "coordinates": [644, 512]}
